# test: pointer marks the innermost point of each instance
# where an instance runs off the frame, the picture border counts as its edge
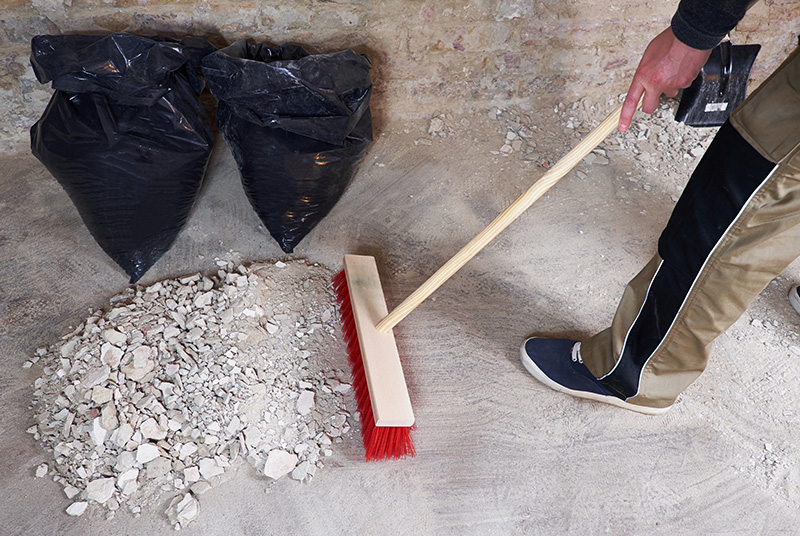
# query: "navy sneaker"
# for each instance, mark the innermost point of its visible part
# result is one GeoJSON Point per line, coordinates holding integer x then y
{"type": "Point", "coordinates": [557, 363]}
{"type": "Point", "coordinates": [794, 298]}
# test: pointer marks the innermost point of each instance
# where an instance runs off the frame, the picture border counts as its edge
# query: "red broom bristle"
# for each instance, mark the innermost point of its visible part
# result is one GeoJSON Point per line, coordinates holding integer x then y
{"type": "Point", "coordinates": [380, 442]}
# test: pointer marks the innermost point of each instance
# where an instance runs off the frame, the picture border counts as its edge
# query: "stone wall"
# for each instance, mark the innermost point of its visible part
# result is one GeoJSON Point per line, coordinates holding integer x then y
{"type": "Point", "coordinates": [428, 55]}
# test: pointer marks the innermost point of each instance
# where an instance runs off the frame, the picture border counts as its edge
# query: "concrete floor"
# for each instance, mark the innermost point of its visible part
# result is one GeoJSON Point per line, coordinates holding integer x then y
{"type": "Point", "coordinates": [498, 453]}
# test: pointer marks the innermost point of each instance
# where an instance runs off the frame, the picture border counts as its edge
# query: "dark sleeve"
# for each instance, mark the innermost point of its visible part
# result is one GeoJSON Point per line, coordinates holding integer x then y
{"type": "Point", "coordinates": [702, 24]}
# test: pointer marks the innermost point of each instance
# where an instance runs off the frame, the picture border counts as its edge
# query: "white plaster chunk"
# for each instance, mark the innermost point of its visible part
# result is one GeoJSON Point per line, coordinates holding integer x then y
{"type": "Point", "coordinates": [123, 434]}
{"type": "Point", "coordinates": [147, 452]}
{"type": "Point", "coordinates": [100, 490]}
{"type": "Point", "coordinates": [152, 430]}
{"type": "Point", "coordinates": [191, 474]}
{"type": "Point", "coordinates": [234, 425]}
{"type": "Point", "coordinates": [198, 488]}
{"type": "Point", "coordinates": [203, 299]}
{"type": "Point", "coordinates": [101, 395]}
{"type": "Point", "coordinates": [158, 467]}
{"type": "Point", "coordinates": [126, 477]}
{"type": "Point", "coordinates": [140, 366]}
{"type": "Point", "coordinates": [187, 449]}
{"type": "Point", "coordinates": [279, 463]}
{"type": "Point", "coordinates": [77, 508]}
{"type": "Point", "coordinates": [183, 509]}
{"type": "Point", "coordinates": [68, 349]}
{"type": "Point", "coordinates": [209, 468]}
{"type": "Point", "coordinates": [71, 491]}
{"type": "Point", "coordinates": [108, 417]}
{"type": "Point", "coordinates": [115, 337]}
{"type": "Point", "coordinates": [170, 332]}
{"type": "Point", "coordinates": [141, 356]}
{"type": "Point", "coordinates": [42, 470]}
{"type": "Point", "coordinates": [110, 355]}
{"type": "Point", "coordinates": [301, 471]}
{"type": "Point", "coordinates": [305, 402]}
{"type": "Point", "coordinates": [97, 433]}
{"type": "Point", "coordinates": [95, 376]}
{"type": "Point", "coordinates": [125, 461]}
{"type": "Point", "coordinates": [252, 436]}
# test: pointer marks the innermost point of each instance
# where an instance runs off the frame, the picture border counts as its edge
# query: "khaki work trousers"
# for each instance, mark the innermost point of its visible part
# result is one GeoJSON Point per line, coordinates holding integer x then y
{"type": "Point", "coordinates": [734, 229]}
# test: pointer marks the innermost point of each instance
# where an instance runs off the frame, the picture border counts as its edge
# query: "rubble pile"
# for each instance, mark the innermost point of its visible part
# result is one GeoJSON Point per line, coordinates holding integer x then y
{"type": "Point", "coordinates": [176, 382]}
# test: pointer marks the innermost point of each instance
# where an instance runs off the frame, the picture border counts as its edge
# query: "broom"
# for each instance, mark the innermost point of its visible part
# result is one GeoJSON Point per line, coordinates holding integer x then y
{"type": "Point", "coordinates": [378, 382]}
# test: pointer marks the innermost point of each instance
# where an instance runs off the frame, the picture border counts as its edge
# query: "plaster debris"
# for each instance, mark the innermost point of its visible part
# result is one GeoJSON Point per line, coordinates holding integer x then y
{"type": "Point", "coordinates": [279, 463]}
{"type": "Point", "coordinates": [649, 139]}
{"type": "Point", "coordinates": [71, 491]}
{"type": "Point", "coordinates": [147, 453]}
{"type": "Point", "coordinates": [441, 125]}
{"type": "Point", "coordinates": [305, 402]}
{"type": "Point", "coordinates": [183, 509]}
{"type": "Point", "coordinates": [100, 490]}
{"type": "Point", "coordinates": [42, 470]}
{"type": "Point", "coordinates": [175, 383]}
{"type": "Point", "coordinates": [77, 508]}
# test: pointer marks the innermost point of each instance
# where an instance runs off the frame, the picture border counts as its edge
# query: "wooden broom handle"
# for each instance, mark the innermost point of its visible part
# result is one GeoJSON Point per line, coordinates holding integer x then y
{"type": "Point", "coordinates": [561, 168]}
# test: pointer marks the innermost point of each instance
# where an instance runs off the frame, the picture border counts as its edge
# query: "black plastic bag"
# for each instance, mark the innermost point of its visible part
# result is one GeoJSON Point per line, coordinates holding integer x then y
{"type": "Point", "coordinates": [125, 135]}
{"type": "Point", "coordinates": [297, 125]}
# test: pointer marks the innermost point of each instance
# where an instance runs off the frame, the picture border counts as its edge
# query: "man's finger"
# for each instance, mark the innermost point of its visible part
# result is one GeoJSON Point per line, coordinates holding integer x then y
{"type": "Point", "coordinates": [650, 102]}
{"type": "Point", "coordinates": [629, 107]}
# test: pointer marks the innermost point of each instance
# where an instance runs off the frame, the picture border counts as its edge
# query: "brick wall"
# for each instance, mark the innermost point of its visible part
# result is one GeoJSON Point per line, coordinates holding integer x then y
{"type": "Point", "coordinates": [427, 55]}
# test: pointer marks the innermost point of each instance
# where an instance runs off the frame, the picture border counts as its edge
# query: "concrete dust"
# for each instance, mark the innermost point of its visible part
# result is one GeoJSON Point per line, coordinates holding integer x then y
{"type": "Point", "coordinates": [489, 436]}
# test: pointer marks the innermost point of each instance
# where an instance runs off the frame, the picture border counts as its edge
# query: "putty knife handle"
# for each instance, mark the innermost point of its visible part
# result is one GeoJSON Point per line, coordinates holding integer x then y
{"type": "Point", "coordinates": [561, 168]}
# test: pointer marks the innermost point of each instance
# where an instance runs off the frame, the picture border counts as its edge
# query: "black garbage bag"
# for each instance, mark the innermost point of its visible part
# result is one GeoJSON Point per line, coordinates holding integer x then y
{"type": "Point", "coordinates": [125, 135]}
{"type": "Point", "coordinates": [297, 125]}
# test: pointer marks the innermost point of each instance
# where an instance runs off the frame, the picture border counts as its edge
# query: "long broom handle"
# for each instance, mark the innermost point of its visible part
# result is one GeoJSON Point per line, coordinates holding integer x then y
{"type": "Point", "coordinates": [561, 168]}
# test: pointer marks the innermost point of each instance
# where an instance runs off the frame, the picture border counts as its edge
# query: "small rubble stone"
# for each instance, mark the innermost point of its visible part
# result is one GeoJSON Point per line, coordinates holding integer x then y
{"type": "Point", "coordinates": [97, 432]}
{"type": "Point", "coordinates": [77, 508]}
{"type": "Point", "coordinates": [147, 452]}
{"type": "Point", "coordinates": [100, 490]}
{"type": "Point", "coordinates": [305, 402]}
{"type": "Point", "coordinates": [152, 430]}
{"type": "Point", "coordinates": [209, 468]}
{"type": "Point", "coordinates": [96, 376]}
{"type": "Point", "coordinates": [71, 491]}
{"type": "Point", "coordinates": [125, 478]}
{"type": "Point", "coordinates": [301, 471]}
{"type": "Point", "coordinates": [42, 470]}
{"type": "Point", "coordinates": [183, 509]}
{"type": "Point", "coordinates": [198, 488]}
{"type": "Point", "coordinates": [191, 474]}
{"type": "Point", "coordinates": [279, 463]}
{"type": "Point", "coordinates": [115, 337]}
{"type": "Point", "coordinates": [101, 395]}
{"type": "Point", "coordinates": [157, 468]}
{"type": "Point", "coordinates": [111, 355]}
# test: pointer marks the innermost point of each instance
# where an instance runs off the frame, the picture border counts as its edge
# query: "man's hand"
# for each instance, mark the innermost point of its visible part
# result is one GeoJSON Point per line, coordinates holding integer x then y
{"type": "Point", "coordinates": [667, 65]}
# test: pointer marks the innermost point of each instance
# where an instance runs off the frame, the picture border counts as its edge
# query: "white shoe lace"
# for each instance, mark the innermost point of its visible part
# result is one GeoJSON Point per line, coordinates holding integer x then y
{"type": "Point", "coordinates": [576, 353]}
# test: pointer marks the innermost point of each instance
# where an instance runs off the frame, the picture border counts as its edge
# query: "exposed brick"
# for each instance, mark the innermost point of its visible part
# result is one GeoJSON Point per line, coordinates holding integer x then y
{"type": "Point", "coordinates": [21, 30]}
{"type": "Point", "coordinates": [9, 5]}
{"type": "Point", "coordinates": [114, 22]}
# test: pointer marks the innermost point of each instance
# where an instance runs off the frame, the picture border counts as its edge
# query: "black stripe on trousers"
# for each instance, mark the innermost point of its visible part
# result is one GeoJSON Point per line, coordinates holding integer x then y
{"type": "Point", "coordinates": [727, 176]}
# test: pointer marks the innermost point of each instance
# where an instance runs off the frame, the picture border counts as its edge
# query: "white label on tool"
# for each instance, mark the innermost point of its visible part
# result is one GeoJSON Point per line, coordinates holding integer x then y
{"type": "Point", "coordinates": [716, 107]}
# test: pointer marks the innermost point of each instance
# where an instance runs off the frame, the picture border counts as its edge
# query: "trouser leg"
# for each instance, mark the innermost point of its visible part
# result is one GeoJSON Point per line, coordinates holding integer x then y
{"type": "Point", "coordinates": [736, 227]}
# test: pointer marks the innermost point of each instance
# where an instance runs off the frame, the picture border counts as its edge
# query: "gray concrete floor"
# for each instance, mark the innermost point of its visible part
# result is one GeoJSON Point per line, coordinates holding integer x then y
{"type": "Point", "coordinates": [498, 454]}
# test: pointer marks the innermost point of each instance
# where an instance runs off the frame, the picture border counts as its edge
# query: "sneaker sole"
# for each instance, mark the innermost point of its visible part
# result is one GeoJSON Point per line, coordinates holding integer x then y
{"type": "Point", "coordinates": [794, 300]}
{"type": "Point", "coordinates": [537, 373]}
